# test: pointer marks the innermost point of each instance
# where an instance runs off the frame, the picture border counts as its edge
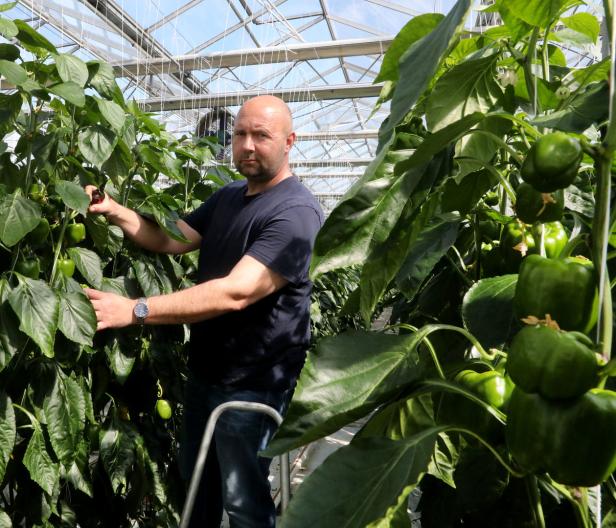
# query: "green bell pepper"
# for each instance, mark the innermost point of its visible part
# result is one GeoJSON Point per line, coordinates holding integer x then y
{"type": "Point", "coordinates": [555, 238]}
{"type": "Point", "coordinates": [490, 386]}
{"type": "Point", "coordinates": [564, 289]}
{"type": "Point", "coordinates": [516, 242]}
{"type": "Point", "coordinates": [574, 440]}
{"type": "Point", "coordinates": [552, 162]}
{"type": "Point", "coordinates": [551, 362]}
{"type": "Point", "coordinates": [30, 267]}
{"type": "Point", "coordinates": [533, 206]}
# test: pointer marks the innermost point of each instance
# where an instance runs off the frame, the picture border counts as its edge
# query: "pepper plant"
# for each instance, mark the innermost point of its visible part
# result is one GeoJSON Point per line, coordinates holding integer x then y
{"type": "Point", "coordinates": [485, 222]}
{"type": "Point", "coordinates": [88, 422]}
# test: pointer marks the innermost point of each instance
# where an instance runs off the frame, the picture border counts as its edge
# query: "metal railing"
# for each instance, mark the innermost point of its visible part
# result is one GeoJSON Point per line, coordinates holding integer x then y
{"type": "Point", "coordinates": [285, 477]}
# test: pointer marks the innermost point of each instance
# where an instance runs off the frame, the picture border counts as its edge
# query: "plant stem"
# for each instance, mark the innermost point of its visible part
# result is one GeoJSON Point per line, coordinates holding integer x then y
{"type": "Point", "coordinates": [496, 454]}
{"type": "Point", "coordinates": [535, 500]}
{"type": "Point", "coordinates": [529, 77]}
{"type": "Point", "coordinates": [431, 349]}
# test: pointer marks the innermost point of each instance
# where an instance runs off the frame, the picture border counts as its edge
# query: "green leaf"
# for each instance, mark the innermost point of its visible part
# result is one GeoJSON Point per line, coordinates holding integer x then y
{"type": "Point", "coordinates": [89, 265]}
{"type": "Point", "coordinates": [468, 87]}
{"type": "Point", "coordinates": [106, 237]}
{"type": "Point", "coordinates": [417, 28]}
{"type": "Point", "coordinates": [396, 516]}
{"type": "Point", "coordinates": [69, 91]}
{"type": "Point", "coordinates": [79, 472]}
{"type": "Point", "coordinates": [121, 358]}
{"type": "Point", "coordinates": [8, 28]}
{"type": "Point", "coordinates": [419, 64]}
{"type": "Point", "coordinates": [18, 216]}
{"type": "Point", "coordinates": [463, 197]}
{"type": "Point", "coordinates": [437, 141]}
{"type": "Point", "coordinates": [77, 319]}
{"type": "Point", "coordinates": [31, 39]}
{"type": "Point", "coordinates": [73, 196]}
{"type": "Point", "coordinates": [8, 6]}
{"type": "Point", "coordinates": [96, 144]}
{"type": "Point", "coordinates": [401, 419]}
{"type": "Point", "coordinates": [5, 520]}
{"type": "Point", "coordinates": [12, 72]}
{"type": "Point", "coordinates": [39, 464]}
{"type": "Point", "coordinates": [344, 378]}
{"type": "Point", "coordinates": [11, 339]}
{"type": "Point", "coordinates": [113, 113]}
{"type": "Point", "coordinates": [358, 482]}
{"type": "Point", "coordinates": [599, 71]}
{"type": "Point", "coordinates": [102, 78]}
{"type": "Point", "coordinates": [10, 106]}
{"type": "Point", "coordinates": [584, 110]}
{"type": "Point", "coordinates": [585, 24]}
{"type": "Point", "coordinates": [429, 247]}
{"type": "Point", "coordinates": [540, 13]}
{"type": "Point", "coordinates": [72, 69]}
{"type": "Point", "coordinates": [65, 413]}
{"type": "Point", "coordinates": [387, 253]}
{"type": "Point", "coordinates": [487, 310]}
{"type": "Point", "coordinates": [119, 163]}
{"type": "Point", "coordinates": [7, 431]}
{"type": "Point", "coordinates": [345, 238]}
{"type": "Point", "coordinates": [38, 308]}
{"type": "Point", "coordinates": [481, 144]}
{"type": "Point", "coordinates": [9, 52]}
{"type": "Point", "coordinates": [117, 448]}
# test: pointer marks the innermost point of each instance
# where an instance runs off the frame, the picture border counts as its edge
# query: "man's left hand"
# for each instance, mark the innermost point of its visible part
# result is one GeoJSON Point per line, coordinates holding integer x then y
{"type": "Point", "coordinates": [112, 310]}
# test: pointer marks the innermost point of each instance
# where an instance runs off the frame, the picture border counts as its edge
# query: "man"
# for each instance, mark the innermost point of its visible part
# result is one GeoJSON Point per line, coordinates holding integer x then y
{"type": "Point", "coordinates": [249, 310]}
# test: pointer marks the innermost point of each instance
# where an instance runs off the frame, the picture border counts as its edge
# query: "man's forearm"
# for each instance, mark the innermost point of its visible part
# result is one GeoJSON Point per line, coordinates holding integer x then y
{"type": "Point", "coordinates": [146, 234]}
{"type": "Point", "coordinates": [201, 302]}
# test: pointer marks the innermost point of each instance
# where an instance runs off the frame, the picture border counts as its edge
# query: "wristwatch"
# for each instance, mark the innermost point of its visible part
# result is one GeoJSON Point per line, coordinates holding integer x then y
{"type": "Point", "coordinates": [141, 310]}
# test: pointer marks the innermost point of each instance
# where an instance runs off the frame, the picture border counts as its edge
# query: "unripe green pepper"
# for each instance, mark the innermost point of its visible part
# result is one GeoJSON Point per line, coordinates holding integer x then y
{"type": "Point", "coordinates": [66, 267]}
{"type": "Point", "coordinates": [573, 440]}
{"type": "Point", "coordinates": [75, 233]}
{"type": "Point", "coordinates": [533, 206]}
{"type": "Point", "coordinates": [40, 234]}
{"type": "Point", "coordinates": [552, 162]}
{"type": "Point", "coordinates": [551, 362]}
{"type": "Point", "coordinates": [555, 238]}
{"type": "Point", "coordinates": [564, 289]}
{"type": "Point", "coordinates": [516, 242]}
{"type": "Point", "coordinates": [30, 267]}
{"type": "Point", "coordinates": [490, 386]}
{"type": "Point", "coordinates": [163, 407]}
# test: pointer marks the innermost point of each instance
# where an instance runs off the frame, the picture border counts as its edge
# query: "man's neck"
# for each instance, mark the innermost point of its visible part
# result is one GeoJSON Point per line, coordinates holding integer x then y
{"type": "Point", "coordinates": [259, 187]}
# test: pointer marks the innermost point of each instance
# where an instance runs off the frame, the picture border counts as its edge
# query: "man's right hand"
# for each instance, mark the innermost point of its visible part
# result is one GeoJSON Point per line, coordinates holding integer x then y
{"type": "Point", "coordinates": [99, 206]}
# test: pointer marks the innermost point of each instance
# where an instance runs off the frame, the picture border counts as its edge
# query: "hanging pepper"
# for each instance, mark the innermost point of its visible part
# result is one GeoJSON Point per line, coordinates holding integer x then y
{"type": "Point", "coordinates": [551, 362]}
{"type": "Point", "coordinates": [573, 440]}
{"type": "Point", "coordinates": [563, 289]}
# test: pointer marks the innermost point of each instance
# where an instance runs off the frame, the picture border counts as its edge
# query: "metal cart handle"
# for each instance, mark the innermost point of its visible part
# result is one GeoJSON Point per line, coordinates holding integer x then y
{"type": "Point", "coordinates": [285, 478]}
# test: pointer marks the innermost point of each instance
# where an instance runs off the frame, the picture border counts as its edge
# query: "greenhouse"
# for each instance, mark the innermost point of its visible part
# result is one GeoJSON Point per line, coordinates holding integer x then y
{"type": "Point", "coordinates": [317, 264]}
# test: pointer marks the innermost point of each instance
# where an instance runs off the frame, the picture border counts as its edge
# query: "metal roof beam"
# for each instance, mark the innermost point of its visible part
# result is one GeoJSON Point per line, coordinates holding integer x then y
{"type": "Point", "coordinates": [328, 175]}
{"type": "Point", "coordinates": [351, 162]}
{"type": "Point", "coordinates": [252, 56]}
{"type": "Point", "coordinates": [336, 135]}
{"type": "Point", "coordinates": [192, 102]}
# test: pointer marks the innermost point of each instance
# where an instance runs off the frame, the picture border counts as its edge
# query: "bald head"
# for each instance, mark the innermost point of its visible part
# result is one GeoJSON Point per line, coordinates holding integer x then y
{"type": "Point", "coordinates": [271, 106]}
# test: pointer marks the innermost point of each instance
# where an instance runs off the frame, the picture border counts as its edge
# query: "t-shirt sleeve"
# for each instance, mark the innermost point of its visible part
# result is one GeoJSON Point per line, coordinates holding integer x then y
{"type": "Point", "coordinates": [200, 218]}
{"type": "Point", "coordinates": [285, 243]}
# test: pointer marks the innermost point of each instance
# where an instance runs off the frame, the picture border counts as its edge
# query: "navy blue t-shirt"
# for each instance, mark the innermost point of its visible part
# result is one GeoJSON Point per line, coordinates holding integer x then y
{"type": "Point", "coordinates": [264, 345]}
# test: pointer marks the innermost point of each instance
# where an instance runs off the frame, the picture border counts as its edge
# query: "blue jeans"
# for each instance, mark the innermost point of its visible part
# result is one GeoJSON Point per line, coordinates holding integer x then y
{"type": "Point", "coordinates": [235, 477]}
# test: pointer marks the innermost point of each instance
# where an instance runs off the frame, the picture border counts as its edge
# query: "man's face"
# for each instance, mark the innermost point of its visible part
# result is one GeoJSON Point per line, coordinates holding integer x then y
{"type": "Point", "coordinates": [261, 141]}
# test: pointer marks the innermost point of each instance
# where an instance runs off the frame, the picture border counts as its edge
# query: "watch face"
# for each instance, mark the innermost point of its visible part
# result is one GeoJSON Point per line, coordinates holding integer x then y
{"type": "Point", "coordinates": [141, 310]}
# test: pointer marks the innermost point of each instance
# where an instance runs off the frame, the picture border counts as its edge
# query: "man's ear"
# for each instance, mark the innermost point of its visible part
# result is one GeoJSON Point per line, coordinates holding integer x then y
{"type": "Point", "coordinates": [290, 141]}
